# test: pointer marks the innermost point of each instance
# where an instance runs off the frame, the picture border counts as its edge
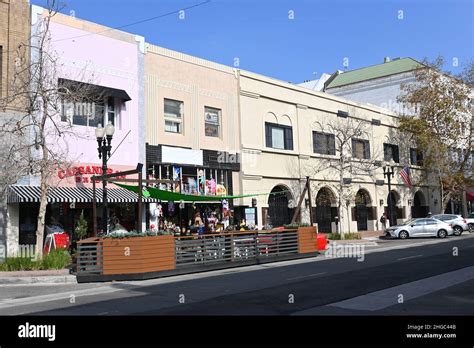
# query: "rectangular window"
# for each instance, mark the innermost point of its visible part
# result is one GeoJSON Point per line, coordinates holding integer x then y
{"type": "Point", "coordinates": [212, 118]}
{"type": "Point", "coordinates": [173, 113]}
{"type": "Point", "coordinates": [86, 113]}
{"type": "Point", "coordinates": [278, 136]}
{"type": "Point", "coordinates": [111, 115]}
{"type": "Point", "coordinates": [360, 149]}
{"type": "Point", "coordinates": [416, 157]}
{"type": "Point", "coordinates": [390, 152]}
{"type": "Point", "coordinates": [324, 143]}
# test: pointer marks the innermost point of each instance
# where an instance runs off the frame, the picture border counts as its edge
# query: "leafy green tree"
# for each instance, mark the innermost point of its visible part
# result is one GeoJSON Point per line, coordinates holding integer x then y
{"type": "Point", "coordinates": [442, 125]}
{"type": "Point", "coordinates": [81, 227]}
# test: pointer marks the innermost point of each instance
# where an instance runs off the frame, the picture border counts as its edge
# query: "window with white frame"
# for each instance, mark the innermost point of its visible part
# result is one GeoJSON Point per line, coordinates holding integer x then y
{"type": "Point", "coordinates": [173, 116]}
{"type": "Point", "coordinates": [89, 113]}
{"type": "Point", "coordinates": [212, 118]}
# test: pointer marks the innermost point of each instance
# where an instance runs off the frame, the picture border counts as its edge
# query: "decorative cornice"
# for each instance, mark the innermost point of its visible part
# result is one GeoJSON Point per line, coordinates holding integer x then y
{"type": "Point", "coordinates": [141, 43]}
{"type": "Point", "coordinates": [249, 94]}
{"type": "Point", "coordinates": [252, 151]}
{"type": "Point", "coordinates": [187, 58]}
{"type": "Point", "coordinates": [251, 177]}
{"type": "Point", "coordinates": [213, 94]}
{"type": "Point", "coordinates": [169, 84]}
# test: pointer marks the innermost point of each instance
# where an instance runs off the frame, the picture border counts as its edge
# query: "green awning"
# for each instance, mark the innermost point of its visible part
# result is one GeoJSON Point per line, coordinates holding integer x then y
{"type": "Point", "coordinates": [176, 196]}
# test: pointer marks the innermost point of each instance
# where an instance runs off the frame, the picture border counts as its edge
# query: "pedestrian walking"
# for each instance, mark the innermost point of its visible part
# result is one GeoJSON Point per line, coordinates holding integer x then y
{"type": "Point", "coordinates": [383, 220]}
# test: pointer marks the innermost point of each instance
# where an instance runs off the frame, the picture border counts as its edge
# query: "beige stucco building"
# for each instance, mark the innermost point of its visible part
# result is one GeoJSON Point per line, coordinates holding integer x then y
{"type": "Point", "coordinates": [273, 127]}
{"type": "Point", "coordinates": [192, 125]}
{"type": "Point", "coordinates": [271, 106]}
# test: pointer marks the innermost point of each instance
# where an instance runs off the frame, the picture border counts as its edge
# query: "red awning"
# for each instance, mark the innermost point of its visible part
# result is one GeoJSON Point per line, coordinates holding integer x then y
{"type": "Point", "coordinates": [470, 196]}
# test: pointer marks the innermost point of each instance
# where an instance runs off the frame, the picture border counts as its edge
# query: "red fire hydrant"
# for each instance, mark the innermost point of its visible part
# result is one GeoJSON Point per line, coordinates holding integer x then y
{"type": "Point", "coordinates": [321, 241]}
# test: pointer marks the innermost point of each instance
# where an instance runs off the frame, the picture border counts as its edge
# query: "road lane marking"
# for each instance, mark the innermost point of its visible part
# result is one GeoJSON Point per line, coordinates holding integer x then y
{"type": "Point", "coordinates": [307, 276]}
{"type": "Point", "coordinates": [381, 299]}
{"type": "Point", "coordinates": [8, 303]}
{"type": "Point", "coordinates": [136, 285]}
{"type": "Point", "coordinates": [409, 257]}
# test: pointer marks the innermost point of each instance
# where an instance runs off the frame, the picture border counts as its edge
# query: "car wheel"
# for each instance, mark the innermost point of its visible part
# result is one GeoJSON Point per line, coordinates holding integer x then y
{"type": "Point", "coordinates": [403, 235]}
{"type": "Point", "coordinates": [442, 234]}
{"type": "Point", "coordinates": [457, 230]}
{"type": "Point", "coordinates": [471, 228]}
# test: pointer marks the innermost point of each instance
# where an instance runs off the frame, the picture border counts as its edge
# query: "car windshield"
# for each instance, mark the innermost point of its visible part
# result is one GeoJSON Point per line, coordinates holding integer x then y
{"type": "Point", "coordinates": [408, 222]}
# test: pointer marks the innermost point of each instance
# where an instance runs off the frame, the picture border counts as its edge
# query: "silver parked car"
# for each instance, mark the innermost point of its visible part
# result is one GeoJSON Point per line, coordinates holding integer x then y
{"type": "Point", "coordinates": [470, 222]}
{"type": "Point", "coordinates": [458, 223]}
{"type": "Point", "coordinates": [425, 227]}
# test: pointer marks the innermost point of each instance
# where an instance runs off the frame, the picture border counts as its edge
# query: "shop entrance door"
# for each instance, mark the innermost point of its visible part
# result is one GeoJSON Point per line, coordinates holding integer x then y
{"type": "Point", "coordinates": [362, 217]}
{"type": "Point", "coordinates": [278, 211]}
{"type": "Point", "coordinates": [323, 218]}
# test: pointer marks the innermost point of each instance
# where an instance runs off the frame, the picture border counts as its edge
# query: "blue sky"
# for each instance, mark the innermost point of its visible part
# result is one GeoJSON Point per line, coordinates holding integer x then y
{"type": "Point", "coordinates": [318, 38]}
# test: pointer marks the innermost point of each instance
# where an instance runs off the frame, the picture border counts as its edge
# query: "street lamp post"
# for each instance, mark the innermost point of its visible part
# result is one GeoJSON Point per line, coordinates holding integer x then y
{"type": "Point", "coordinates": [388, 171]}
{"type": "Point", "coordinates": [104, 147]}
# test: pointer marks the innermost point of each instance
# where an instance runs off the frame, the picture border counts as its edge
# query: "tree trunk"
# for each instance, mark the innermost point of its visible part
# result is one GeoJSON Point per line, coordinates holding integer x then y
{"type": "Point", "coordinates": [41, 216]}
{"type": "Point", "coordinates": [445, 201]}
{"type": "Point", "coordinates": [44, 172]}
{"type": "Point", "coordinates": [442, 207]}
{"type": "Point", "coordinates": [464, 203]}
{"type": "Point", "coordinates": [3, 226]}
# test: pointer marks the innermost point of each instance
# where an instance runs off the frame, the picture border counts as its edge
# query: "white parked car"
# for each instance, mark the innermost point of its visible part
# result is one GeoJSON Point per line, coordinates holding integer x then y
{"type": "Point", "coordinates": [424, 227]}
{"type": "Point", "coordinates": [470, 222]}
{"type": "Point", "coordinates": [457, 222]}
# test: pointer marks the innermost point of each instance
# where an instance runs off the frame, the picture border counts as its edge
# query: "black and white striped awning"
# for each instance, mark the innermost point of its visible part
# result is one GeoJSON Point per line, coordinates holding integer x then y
{"type": "Point", "coordinates": [21, 194]}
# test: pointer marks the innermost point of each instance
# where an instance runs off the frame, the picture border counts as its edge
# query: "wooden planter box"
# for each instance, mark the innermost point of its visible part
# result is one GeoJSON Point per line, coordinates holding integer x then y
{"type": "Point", "coordinates": [307, 239]}
{"type": "Point", "coordinates": [138, 255]}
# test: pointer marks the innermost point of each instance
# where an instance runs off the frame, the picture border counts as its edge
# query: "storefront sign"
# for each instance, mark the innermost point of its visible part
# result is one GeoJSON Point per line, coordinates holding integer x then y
{"type": "Point", "coordinates": [181, 156]}
{"type": "Point", "coordinates": [82, 173]}
{"type": "Point", "coordinates": [250, 216]}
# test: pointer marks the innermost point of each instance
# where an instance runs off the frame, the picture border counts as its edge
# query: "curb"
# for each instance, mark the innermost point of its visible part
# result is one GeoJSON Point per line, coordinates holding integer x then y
{"type": "Point", "coordinates": [353, 242]}
{"type": "Point", "coordinates": [62, 279]}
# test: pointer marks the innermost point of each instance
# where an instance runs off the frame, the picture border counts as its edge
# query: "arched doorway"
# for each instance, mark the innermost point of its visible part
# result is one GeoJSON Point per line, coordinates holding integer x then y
{"type": "Point", "coordinates": [325, 213]}
{"type": "Point", "coordinates": [279, 213]}
{"type": "Point", "coordinates": [392, 200]}
{"type": "Point", "coordinates": [419, 208]}
{"type": "Point", "coordinates": [362, 205]}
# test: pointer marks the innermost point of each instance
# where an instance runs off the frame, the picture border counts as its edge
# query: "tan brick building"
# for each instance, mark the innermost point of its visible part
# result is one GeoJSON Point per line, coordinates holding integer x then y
{"type": "Point", "coordinates": [14, 30]}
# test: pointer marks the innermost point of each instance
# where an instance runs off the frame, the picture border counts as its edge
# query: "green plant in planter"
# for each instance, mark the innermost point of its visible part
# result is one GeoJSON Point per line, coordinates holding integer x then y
{"type": "Point", "coordinates": [296, 225]}
{"type": "Point", "coordinates": [334, 236]}
{"type": "Point", "coordinates": [81, 227]}
{"type": "Point", "coordinates": [56, 259]}
{"type": "Point", "coordinates": [132, 234]}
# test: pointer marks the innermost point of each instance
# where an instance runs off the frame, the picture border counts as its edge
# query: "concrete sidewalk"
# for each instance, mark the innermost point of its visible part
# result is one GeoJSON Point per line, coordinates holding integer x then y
{"type": "Point", "coordinates": [60, 276]}
{"type": "Point", "coordinates": [372, 235]}
{"type": "Point", "coordinates": [367, 238]}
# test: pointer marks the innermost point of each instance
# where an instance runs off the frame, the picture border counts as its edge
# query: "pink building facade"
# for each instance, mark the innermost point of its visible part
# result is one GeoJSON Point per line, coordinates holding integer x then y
{"type": "Point", "coordinates": [112, 63]}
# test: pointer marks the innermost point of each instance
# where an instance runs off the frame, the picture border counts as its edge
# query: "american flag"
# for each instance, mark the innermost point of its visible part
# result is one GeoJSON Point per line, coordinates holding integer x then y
{"type": "Point", "coordinates": [405, 174]}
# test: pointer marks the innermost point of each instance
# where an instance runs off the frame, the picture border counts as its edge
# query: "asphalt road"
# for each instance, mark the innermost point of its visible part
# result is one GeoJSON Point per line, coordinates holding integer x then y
{"type": "Point", "coordinates": [422, 276]}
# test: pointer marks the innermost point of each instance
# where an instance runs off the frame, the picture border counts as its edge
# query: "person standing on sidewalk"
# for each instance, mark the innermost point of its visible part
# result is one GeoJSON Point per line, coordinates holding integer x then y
{"type": "Point", "coordinates": [383, 220]}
